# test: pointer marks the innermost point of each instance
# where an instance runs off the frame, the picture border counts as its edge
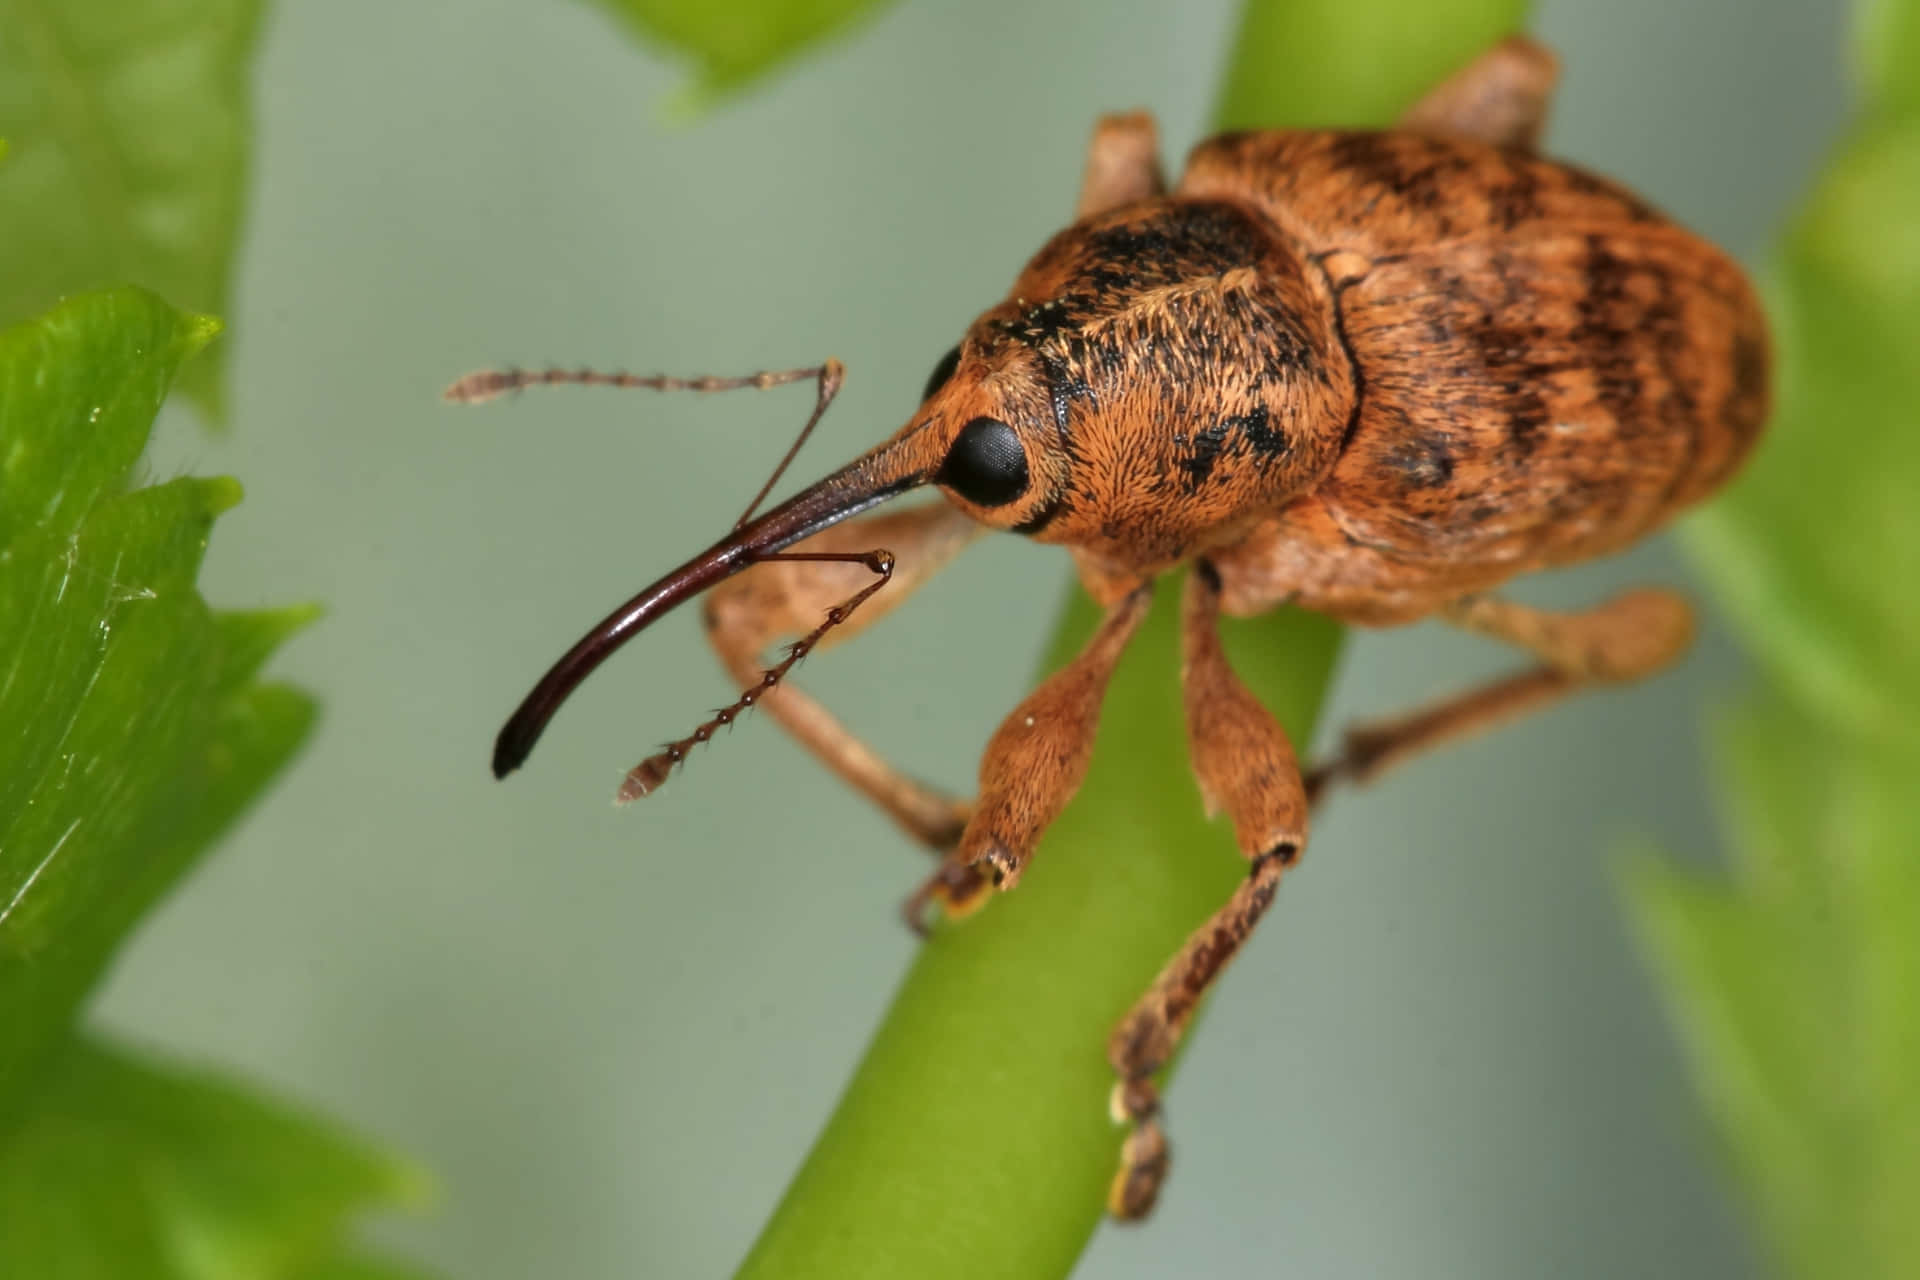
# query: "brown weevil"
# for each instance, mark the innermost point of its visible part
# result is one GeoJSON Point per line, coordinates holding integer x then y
{"type": "Point", "coordinates": [1371, 373]}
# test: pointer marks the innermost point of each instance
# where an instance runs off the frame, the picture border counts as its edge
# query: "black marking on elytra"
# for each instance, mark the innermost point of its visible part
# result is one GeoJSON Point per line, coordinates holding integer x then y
{"type": "Point", "coordinates": [1600, 331]}
{"type": "Point", "coordinates": [1677, 411]}
{"type": "Point", "coordinates": [1505, 350]}
{"type": "Point", "coordinates": [1411, 169]}
{"type": "Point", "coordinates": [1526, 415]}
{"type": "Point", "coordinates": [1516, 200]}
{"type": "Point", "coordinates": [1660, 320]}
{"type": "Point", "coordinates": [1369, 155]}
{"type": "Point", "coordinates": [1422, 462]}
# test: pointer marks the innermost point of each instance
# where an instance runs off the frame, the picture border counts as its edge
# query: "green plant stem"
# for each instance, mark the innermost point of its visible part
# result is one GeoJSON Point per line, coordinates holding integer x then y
{"type": "Point", "coordinates": [973, 1139]}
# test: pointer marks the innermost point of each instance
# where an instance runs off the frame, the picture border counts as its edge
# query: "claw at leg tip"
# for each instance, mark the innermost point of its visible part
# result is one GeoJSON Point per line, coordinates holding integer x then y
{"type": "Point", "coordinates": [1143, 1168]}
{"type": "Point", "coordinates": [1132, 1195]}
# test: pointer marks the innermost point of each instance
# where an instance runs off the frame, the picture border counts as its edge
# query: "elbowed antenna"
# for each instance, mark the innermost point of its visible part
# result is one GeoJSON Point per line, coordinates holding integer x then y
{"type": "Point", "coordinates": [883, 473]}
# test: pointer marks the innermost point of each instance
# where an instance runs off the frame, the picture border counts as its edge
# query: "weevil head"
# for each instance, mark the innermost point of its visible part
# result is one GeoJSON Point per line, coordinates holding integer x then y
{"type": "Point", "coordinates": [1157, 379]}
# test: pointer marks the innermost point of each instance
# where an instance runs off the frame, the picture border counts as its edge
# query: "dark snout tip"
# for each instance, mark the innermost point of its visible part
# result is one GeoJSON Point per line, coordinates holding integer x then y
{"type": "Point", "coordinates": [511, 748]}
{"type": "Point", "coordinates": [866, 482]}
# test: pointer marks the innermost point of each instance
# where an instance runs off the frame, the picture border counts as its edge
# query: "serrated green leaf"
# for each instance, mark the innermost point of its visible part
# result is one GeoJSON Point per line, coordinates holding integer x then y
{"type": "Point", "coordinates": [129, 124]}
{"type": "Point", "coordinates": [731, 42]}
{"type": "Point", "coordinates": [247, 640]}
{"type": "Point", "coordinates": [1118, 882]}
{"type": "Point", "coordinates": [139, 735]}
{"type": "Point", "coordinates": [128, 1167]}
{"type": "Point", "coordinates": [134, 736]}
{"type": "Point", "coordinates": [70, 435]}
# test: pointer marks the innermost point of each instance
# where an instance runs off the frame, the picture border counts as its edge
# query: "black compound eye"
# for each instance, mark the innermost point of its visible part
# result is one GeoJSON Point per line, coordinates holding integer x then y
{"type": "Point", "coordinates": [986, 465]}
{"type": "Point", "coordinates": [941, 372]}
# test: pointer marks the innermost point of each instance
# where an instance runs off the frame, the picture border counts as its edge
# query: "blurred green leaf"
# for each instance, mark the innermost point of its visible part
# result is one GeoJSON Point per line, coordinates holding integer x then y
{"type": "Point", "coordinates": [1796, 985]}
{"type": "Point", "coordinates": [135, 732]}
{"type": "Point", "coordinates": [129, 126]}
{"type": "Point", "coordinates": [973, 1139]}
{"type": "Point", "coordinates": [1797, 988]}
{"type": "Point", "coordinates": [353, 1264]}
{"type": "Point", "coordinates": [730, 42]}
{"type": "Point", "coordinates": [1807, 548]}
{"type": "Point", "coordinates": [130, 1168]}
{"type": "Point", "coordinates": [1886, 48]}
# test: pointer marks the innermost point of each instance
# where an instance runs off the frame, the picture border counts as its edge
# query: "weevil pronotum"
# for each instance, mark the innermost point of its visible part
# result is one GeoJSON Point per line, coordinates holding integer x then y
{"type": "Point", "coordinates": [1371, 373]}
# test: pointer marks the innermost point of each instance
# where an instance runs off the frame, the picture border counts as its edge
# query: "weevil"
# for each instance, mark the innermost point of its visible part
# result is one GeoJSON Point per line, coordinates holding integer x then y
{"type": "Point", "coordinates": [1375, 374]}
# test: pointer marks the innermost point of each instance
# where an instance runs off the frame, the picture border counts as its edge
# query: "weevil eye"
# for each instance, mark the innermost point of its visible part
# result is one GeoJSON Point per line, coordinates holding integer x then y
{"type": "Point", "coordinates": [941, 372]}
{"type": "Point", "coordinates": [986, 464]}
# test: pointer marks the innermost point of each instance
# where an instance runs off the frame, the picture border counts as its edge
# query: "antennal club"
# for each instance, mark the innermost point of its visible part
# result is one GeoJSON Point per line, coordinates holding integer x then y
{"type": "Point", "coordinates": [645, 778]}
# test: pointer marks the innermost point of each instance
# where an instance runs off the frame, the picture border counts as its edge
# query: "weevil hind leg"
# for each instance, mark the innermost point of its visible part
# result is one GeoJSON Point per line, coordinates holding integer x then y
{"type": "Point", "coordinates": [1123, 164]}
{"type": "Point", "coordinates": [1627, 638]}
{"type": "Point", "coordinates": [1501, 97]}
{"type": "Point", "coordinates": [1245, 765]}
{"type": "Point", "coordinates": [748, 612]}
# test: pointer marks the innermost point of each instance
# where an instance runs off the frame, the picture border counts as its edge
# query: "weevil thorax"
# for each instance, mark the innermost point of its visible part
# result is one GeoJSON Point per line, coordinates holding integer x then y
{"type": "Point", "coordinates": [1169, 372]}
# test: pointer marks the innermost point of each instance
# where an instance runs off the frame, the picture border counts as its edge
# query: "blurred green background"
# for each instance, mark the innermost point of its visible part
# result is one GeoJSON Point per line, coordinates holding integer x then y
{"type": "Point", "coordinates": [613, 1034]}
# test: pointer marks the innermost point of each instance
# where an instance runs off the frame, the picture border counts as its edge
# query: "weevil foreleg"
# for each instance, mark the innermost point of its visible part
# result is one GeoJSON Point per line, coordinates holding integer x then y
{"type": "Point", "coordinates": [1031, 768]}
{"type": "Point", "coordinates": [1123, 164]}
{"type": "Point", "coordinates": [748, 612]}
{"type": "Point", "coordinates": [1500, 97]}
{"type": "Point", "coordinates": [1245, 765]}
{"type": "Point", "coordinates": [1624, 639]}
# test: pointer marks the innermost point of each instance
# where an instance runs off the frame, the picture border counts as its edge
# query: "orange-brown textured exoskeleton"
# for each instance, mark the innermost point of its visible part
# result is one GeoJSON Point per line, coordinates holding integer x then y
{"type": "Point", "coordinates": [1371, 373]}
